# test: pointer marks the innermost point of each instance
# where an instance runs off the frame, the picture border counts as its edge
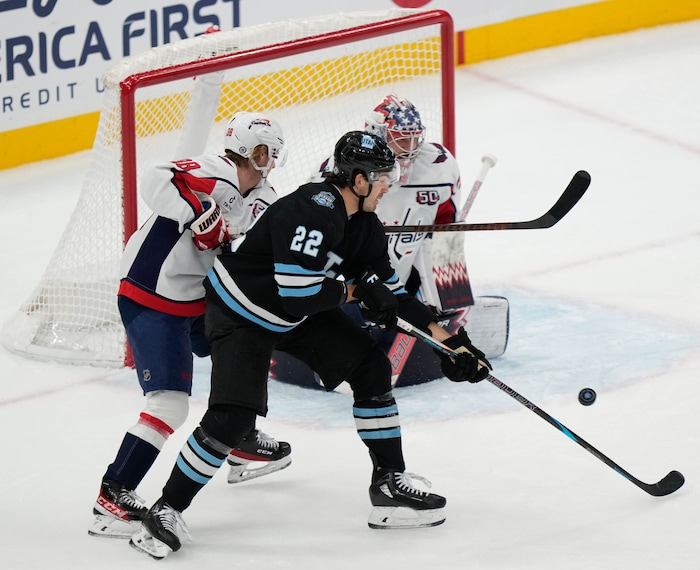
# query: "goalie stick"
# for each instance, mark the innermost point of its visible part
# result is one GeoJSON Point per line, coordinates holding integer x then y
{"type": "Point", "coordinates": [569, 198]}
{"type": "Point", "coordinates": [669, 484]}
{"type": "Point", "coordinates": [488, 161]}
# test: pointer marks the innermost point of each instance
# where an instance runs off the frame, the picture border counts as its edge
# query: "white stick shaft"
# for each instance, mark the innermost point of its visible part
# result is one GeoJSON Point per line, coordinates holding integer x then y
{"type": "Point", "coordinates": [410, 329]}
{"type": "Point", "coordinates": [436, 344]}
{"type": "Point", "coordinates": [488, 161]}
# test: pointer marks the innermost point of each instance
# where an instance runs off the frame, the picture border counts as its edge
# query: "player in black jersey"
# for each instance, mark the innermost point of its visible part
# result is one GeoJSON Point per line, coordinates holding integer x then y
{"type": "Point", "coordinates": [281, 287]}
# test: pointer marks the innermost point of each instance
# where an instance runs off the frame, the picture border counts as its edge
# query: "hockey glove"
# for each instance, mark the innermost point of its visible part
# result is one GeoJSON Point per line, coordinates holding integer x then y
{"type": "Point", "coordinates": [209, 228]}
{"type": "Point", "coordinates": [470, 364]}
{"type": "Point", "coordinates": [377, 303]}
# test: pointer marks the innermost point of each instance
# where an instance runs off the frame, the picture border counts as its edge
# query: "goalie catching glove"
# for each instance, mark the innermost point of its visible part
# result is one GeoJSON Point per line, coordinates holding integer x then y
{"type": "Point", "coordinates": [377, 303]}
{"type": "Point", "coordinates": [209, 228]}
{"type": "Point", "coordinates": [469, 364]}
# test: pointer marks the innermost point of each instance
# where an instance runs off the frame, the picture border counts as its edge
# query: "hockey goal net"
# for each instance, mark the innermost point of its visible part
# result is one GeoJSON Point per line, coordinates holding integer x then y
{"type": "Point", "coordinates": [318, 77]}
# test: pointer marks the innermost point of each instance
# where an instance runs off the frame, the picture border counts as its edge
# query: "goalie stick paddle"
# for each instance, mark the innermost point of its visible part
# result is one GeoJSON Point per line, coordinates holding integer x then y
{"type": "Point", "coordinates": [569, 198]}
{"type": "Point", "coordinates": [669, 484]}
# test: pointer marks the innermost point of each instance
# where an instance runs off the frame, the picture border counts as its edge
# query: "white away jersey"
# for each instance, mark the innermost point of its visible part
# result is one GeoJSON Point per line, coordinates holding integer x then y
{"type": "Point", "coordinates": [427, 194]}
{"type": "Point", "coordinates": [161, 267]}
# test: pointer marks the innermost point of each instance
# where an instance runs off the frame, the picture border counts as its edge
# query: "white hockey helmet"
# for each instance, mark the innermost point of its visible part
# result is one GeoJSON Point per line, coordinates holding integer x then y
{"type": "Point", "coordinates": [398, 121]}
{"type": "Point", "coordinates": [246, 131]}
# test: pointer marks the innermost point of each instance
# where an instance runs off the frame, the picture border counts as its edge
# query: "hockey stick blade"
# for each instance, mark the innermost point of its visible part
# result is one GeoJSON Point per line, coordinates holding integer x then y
{"type": "Point", "coordinates": [569, 198]}
{"type": "Point", "coordinates": [669, 484]}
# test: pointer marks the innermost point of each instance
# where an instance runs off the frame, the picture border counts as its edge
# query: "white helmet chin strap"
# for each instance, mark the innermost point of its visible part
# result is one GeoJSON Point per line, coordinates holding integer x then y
{"type": "Point", "coordinates": [276, 158]}
{"type": "Point", "coordinates": [264, 170]}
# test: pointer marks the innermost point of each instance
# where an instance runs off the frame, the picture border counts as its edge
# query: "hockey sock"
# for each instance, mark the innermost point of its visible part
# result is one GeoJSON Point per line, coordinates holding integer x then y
{"type": "Point", "coordinates": [377, 423]}
{"type": "Point", "coordinates": [144, 440]}
{"type": "Point", "coordinates": [134, 459]}
{"type": "Point", "coordinates": [197, 463]}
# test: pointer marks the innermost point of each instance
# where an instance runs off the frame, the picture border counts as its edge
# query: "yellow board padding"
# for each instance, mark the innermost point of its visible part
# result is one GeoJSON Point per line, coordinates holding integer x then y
{"type": "Point", "coordinates": [66, 136]}
{"type": "Point", "coordinates": [47, 140]}
{"type": "Point", "coordinates": [301, 84]}
{"type": "Point", "coordinates": [569, 25]}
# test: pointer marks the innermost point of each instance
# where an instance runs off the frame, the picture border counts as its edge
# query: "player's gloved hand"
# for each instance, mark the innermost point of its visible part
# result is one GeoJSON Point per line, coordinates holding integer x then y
{"type": "Point", "coordinates": [377, 303]}
{"type": "Point", "coordinates": [470, 364]}
{"type": "Point", "coordinates": [209, 228]}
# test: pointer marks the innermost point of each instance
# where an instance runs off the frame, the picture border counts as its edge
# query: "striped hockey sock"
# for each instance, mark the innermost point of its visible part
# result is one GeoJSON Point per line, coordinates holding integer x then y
{"type": "Point", "coordinates": [198, 461]}
{"type": "Point", "coordinates": [377, 423]}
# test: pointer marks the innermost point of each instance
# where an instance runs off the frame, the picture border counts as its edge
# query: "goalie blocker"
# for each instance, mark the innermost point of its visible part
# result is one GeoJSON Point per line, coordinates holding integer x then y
{"type": "Point", "coordinates": [486, 322]}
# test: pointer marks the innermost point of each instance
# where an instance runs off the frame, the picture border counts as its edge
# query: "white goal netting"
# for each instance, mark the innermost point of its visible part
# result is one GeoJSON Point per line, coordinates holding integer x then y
{"type": "Point", "coordinates": [318, 77]}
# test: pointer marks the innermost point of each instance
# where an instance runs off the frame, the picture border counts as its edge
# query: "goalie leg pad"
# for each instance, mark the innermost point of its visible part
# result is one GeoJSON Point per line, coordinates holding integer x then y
{"type": "Point", "coordinates": [487, 323]}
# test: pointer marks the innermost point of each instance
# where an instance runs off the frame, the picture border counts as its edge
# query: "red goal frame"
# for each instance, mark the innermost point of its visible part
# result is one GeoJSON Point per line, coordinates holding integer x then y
{"type": "Point", "coordinates": [129, 86]}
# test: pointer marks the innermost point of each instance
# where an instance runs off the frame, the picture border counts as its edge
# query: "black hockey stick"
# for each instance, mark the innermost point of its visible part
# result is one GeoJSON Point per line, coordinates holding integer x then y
{"type": "Point", "coordinates": [576, 188]}
{"type": "Point", "coordinates": [669, 484]}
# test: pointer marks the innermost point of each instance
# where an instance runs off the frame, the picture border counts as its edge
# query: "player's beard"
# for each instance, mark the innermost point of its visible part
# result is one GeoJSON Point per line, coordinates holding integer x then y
{"type": "Point", "coordinates": [371, 202]}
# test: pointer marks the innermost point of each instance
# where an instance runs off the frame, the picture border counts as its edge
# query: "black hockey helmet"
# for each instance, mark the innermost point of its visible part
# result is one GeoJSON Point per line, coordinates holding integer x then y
{"type": "Point", "coordinates": [358, 151]}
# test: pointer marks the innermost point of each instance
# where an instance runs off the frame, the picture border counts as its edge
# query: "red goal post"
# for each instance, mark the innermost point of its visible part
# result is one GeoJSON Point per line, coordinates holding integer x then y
{"type": "Point", "coordinates": [319, 77]}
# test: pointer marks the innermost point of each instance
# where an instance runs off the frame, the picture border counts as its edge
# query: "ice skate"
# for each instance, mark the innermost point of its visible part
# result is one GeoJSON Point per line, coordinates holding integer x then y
{"type": "Point", "coordinates": [257, 455]}
{"type": "Point", "coordinates": [398, 504]}
{"type": "Point", "coordinates": [118, 512]}
{"type": "Point", "coordinates": [158, 535]}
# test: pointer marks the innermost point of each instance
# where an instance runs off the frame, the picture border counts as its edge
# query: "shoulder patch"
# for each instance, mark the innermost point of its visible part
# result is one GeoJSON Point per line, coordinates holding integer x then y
{"type": "Point", "coordinates": [324, 198]}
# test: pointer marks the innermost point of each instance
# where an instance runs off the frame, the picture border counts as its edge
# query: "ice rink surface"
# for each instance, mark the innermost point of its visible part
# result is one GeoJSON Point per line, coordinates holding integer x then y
{"type": "Point", "coordinates": [606, 299]}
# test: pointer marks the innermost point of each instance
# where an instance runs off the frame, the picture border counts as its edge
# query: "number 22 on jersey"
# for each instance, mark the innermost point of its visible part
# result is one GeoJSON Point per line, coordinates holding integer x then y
{"type": "Point", "coordinates": [306, 242]}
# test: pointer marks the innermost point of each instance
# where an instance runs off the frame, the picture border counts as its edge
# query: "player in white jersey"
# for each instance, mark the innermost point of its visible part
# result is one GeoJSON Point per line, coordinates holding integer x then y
{"type": "Point", "coordinates": [428, 191]}
{"type": "Point", "coordinates": [432, 265]}
{"type": "Point", "coordinates": [198, 204]}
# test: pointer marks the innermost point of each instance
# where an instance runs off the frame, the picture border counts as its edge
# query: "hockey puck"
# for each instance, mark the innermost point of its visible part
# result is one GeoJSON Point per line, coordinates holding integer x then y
{"type": "Point", "coordinates": [586, 396]}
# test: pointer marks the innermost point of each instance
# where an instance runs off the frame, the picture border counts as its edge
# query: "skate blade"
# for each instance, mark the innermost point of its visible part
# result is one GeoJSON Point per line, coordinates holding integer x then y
{"type": "Point", "coordinates": [247, 471]}
{"type": "Point", "coordinates": [147, 544]}
{"type": "Point", "coordinates": [105, 526]}
{"type": "Point", "coordinates": [404, 517]}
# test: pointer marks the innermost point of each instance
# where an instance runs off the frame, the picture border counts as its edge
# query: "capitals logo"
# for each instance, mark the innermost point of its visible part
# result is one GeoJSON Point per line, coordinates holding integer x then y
{"type": "Point", "coordinates": [258, 208]}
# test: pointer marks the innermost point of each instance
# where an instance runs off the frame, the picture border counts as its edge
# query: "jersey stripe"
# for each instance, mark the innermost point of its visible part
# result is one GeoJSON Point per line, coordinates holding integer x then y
{"type": "Point", "coordinates": [158, 303]}
{"type": "Point", "coordinates": [236, 300]}
{"type": "Point", "coordinates": [297, 281]}
{"type": "Point", "coordinates": [395, 285]}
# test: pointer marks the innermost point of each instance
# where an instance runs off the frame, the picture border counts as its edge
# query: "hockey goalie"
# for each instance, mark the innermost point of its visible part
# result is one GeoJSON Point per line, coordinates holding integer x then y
{"type": "Point", "coordinates": [431, 265]}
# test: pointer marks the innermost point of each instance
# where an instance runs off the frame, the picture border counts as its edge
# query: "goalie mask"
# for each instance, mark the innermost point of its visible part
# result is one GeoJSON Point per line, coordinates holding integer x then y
{"type": "Point", "coordinates": [397, 121]}
{"type": "Point", "coordinates": [246, 131]}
